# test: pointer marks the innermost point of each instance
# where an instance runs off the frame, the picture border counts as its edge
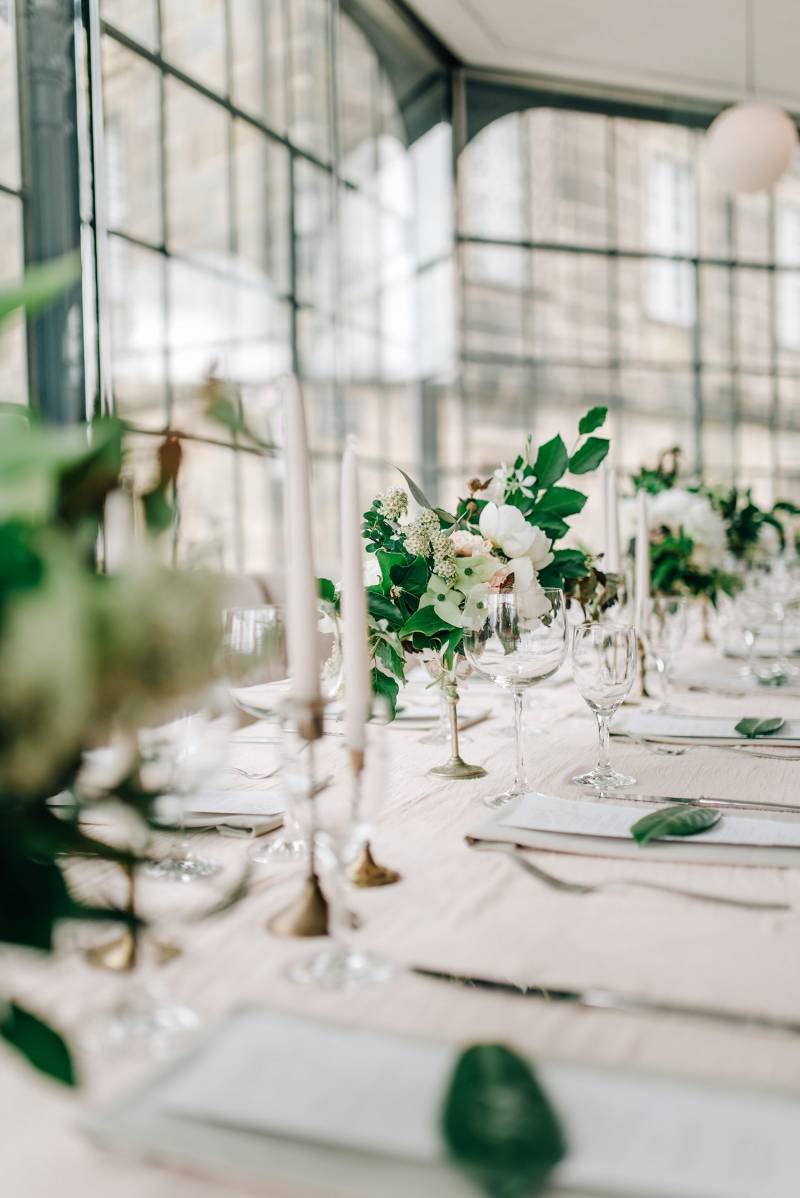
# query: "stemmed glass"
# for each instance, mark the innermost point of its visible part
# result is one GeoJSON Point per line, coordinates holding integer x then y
{"type": "Point", "coordinates": [664, 633]}
{"type": "Point", "coordinates": [522, 641]}
{"type": "Point", "coordinates": [779, 590]}
{"type": "Point", "coordinates": [604, 668]}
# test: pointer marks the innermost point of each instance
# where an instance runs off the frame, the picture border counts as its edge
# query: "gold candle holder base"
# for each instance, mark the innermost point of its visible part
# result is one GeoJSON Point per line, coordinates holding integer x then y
{"type": "Point", "coordinates": [120, 954]}
{"type": "Point", "coordinates": [307, 916]}
{"type": "Point", "coordinates": [367, 872]}
{"type": "Point", "coordinates": [643, 691]}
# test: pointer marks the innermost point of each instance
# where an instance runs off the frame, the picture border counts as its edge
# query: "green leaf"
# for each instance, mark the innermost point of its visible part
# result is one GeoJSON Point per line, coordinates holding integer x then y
{"type": "Point", "coordinates": [43, 1047]}
{"type": "Point", "coordinates": [425, 619]}
{"type": "Point", "coordinates": [40, 286]}
{"type": "Point", "coordinates": [558, 501]}
{"type": "Point", "coordinates": [593, 419]}
{"type": "Point", "coordinates": [393, 660]}
{"type": "Point", "coordinates": [589, 456]}
{"type": "Point", "coordinates": [412, 577]}
{"type": "Point", "coordinates": [382, 608]}
{"type": "Point", "coordinates": [327, 591]}
{"type": "Point", "coordinates": [498, 1123]}
{"type": "Point", "coordinates": [387, 688]}
{"type": "Point", "coordinates": [554, 526]}
{"type": "Point", "coordinates": [754, 727]}
{"type": "Point", "coordinates": [158, 511]}
{"type": "Point", "coordinates": [416, 491]}
{"type": "Point", "coordinates": [674, 821]}
{"type": "Point", "coordinates": [387, 561]}
{"type": "Point", "coordinates": [551, 462]}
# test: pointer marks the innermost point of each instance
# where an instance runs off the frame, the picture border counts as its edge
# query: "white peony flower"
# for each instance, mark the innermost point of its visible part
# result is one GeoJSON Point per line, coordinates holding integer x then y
{"type": "Point", "coordinates": [507, 529]}
{"type": "Point", "coordinates": [676, 508]}
{"type": "Point", "coordinates": [469, 544]}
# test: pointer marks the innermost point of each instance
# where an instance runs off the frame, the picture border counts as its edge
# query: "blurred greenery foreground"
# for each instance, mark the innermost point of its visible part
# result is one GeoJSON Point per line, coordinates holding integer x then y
{"type": "Point", "coordinates": [86, 654]}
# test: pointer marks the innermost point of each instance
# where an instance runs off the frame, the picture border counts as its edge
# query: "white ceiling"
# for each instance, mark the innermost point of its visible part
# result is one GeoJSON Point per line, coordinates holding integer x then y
{"type": "Point", "coordinates": [673, 47]}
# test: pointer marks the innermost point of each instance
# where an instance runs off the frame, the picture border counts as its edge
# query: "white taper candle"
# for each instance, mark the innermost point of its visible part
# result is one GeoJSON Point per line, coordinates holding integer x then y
{"type": "Point", "coordinates": [302, 598]}
{"type": "Point", "coordinates": [642, 563]}
{"type": "Point", "coordinates": [355, 637]}
{"type": "Point", "coordinates": [613, 554]}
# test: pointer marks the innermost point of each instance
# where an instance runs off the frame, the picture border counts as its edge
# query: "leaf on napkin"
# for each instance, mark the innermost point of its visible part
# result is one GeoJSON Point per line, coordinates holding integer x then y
{"type": "Point", "coordinates": [674, 821]}
{"type": "Point", "coordinates": [751, 728]}
{"type": "Point", "coordinates": [498, 1123]}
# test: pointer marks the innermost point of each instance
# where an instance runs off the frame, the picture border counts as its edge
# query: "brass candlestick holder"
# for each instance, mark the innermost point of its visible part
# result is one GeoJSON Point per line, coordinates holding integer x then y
{"type": "Point", "coordinates": [365, 870]}
{"type": "Point", "coordinates": [455, 767]}
{"type": "Point", "coordinates": [121, 954]}
{"type": "Point", "coordinates": [308, 915]}
{"type": "Point", "coordinates": [642, 651]}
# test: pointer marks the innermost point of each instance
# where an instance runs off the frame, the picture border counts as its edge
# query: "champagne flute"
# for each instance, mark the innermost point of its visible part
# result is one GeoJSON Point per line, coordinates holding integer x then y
{"type": "Point", "coordinates": [604, 667]}
{"type": "Point", "coordinates": [521, 641]}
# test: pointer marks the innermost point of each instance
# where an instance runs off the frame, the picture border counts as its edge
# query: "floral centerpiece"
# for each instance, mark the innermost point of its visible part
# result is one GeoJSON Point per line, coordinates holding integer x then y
{"type": "Point", "coordinates": [755, 535]}
{"type": "Point", "coordinates": [688, 540]}
{"type": "Point", "coordinates": [431, 572]}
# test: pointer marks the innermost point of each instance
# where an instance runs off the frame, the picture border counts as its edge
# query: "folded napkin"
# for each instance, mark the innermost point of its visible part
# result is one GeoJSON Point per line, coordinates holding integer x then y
{"type": "Point", "coordinates": [293, 1104]}
{"type": "Point", "coordinates": [414, 713]}
{"type": "Point", "coordinates": [601, 828]}
{"type": "Point", "coordinates": [224, 802]}
{"type": "Point", "coordinates": [657, 725]}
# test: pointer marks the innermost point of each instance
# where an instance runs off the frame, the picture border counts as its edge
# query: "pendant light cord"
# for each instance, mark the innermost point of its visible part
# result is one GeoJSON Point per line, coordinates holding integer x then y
{"type": "Point", "coordinates": [750, 48]}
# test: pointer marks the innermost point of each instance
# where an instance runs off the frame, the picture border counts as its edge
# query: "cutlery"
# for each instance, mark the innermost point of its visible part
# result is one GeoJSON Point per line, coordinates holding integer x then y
{"type": "Point", "coordinates": [254, 776]}
{"type": "Point", "coordinates": [663, 749]}
{"type": "Point", "coordinates": [613, 1000]}
{"type": "Point", "coordinates": [598, 887]}
{"type": "Point", "coordinates": [743, 805]}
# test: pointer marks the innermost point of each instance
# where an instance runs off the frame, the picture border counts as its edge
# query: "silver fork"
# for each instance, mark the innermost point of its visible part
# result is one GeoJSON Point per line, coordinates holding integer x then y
{"type": "Point", "coordinates": [665, 750]}
{"type": "Point", "coordinates": [565, 887]}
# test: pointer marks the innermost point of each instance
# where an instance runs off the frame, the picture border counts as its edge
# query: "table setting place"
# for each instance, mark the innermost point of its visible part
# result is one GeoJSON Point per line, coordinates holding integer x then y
{"type": "Point", "coordinates": [476, 870]}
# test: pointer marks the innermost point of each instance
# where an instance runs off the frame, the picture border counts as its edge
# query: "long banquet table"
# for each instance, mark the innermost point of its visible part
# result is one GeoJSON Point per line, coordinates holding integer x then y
{"type": "Point", "coordinates": [460, 911]}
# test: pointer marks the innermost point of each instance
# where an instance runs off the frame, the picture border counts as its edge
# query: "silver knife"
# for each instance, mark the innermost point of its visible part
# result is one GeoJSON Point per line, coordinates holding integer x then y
{"type": "Point", "coordinates": [611, 1000]}
{"type": "Point", "coordinates": [705, 801]}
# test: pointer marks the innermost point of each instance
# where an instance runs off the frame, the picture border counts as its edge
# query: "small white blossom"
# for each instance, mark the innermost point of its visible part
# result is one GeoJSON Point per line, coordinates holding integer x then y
{"type": "Point", "coordinates": [393, 503]}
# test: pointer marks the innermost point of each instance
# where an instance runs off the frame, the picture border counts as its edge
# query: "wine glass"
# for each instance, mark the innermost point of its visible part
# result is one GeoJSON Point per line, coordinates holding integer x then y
{"type": "Point", "coordinates": [779, 590]}
{"type": "Point", "coordinates": [522, 640]}
{"type": "Point", "coordinates": [664, 633]}
{"type": "Point", "coordinates": [604, 668]}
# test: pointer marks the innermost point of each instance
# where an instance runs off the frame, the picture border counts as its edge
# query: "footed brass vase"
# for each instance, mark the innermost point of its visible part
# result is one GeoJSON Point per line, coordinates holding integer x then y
{"type": "Point", "coordinates": [455, 767]}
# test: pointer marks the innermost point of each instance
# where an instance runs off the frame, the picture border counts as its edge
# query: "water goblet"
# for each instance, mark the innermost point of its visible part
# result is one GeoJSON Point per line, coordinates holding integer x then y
{"type": "Point", "coordinates": [521, 641]}
{"type": "Point", "coordinates": [604, 668]}
{"type": "Point", "coordinates": [664, 633]}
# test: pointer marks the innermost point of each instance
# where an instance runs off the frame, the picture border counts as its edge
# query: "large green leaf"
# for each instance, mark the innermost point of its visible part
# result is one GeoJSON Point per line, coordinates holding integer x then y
{"type": "Point", "coordinates": [681, 820]}
{"type": "Point", "coordinates": [387, 561]}
{"type": "Point", "coordinates": [382, 608]}
{"type": "Point", "coordinates": [327, 590]}
{"type": "Point", "coordinates": [551, 462]}
{"type": "Point", "coordinates": [425, 619]}
{"type": "Point", "coordinates": [558, 501]}
{"type": "Point", "coordinates": [40, 286]}
{"type": "Point", "coordinates": [498, 1123]}
{"type": "Point", "coordinates": [386, 653]}
{"type": "Point", "coordinates": [386, 688]}
{"type": "Point", "coordinates": [412, 577]}
{"type": "Point", "coordinates": [593, 419]}
{"type": "Point", "coordinates": [41, 1044]}
{"type": "Point", "coordinates": [589, 456]}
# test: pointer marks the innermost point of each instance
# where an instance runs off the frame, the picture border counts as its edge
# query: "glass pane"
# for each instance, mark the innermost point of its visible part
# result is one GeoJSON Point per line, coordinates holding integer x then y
{"type": "Point", "coordinates": [258, 32]}
{"type": "Point", "coordinates": [658, 410]}
{"type": "Point", "coordinates": [753, 338]}
{"type": "Point", "coordinates": [137, 18]}
{"type": "Point", "coordinates": [719, 408]}
{"type": "Point", "coordinates": [567, 169]}
{"type": "Point", "coordinates": [13, 368]}
{"type": "Point", "coordinates": [756, 397]}
{"type": "Point", "coordinates": [197, 173]}
{"type": "Point", "coordinates": [570, 307]}
{"type": "Point", "coordinates": [716, 210]}
{"type": "Point", "coordinates": [201, 314]}
{"type": "Point", "coordinates": [9, 127]}
{"type": "Point", "coordinates": [752, 228]}
{"type": "Point", "coordinates": [715, 315]}
{"type": "Point", "coordinates": [656, 310]}
{"type": "Point", "coordinates": [310, 75]}
{"type": "Point", "coordinates": [315, 238]}
{"type": "Point", "coordinates": [208, 528]}
{"type": "Point", "coordinates": [263, 238]}
{"type": "Point", "coordinates": [195, 40]}
{"type": "Point", "coordinates": [136, 302]}
{"type": "Point", "coordinates": [132, 111]}
{"type": "Point", "coordinates": [491, 181]}
{"type": "Point", "coordinates": [358, 94]}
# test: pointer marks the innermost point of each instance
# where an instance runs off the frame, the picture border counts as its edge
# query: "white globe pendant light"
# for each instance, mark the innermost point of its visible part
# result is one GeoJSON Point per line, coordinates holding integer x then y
{"type": "Point", "coordinates": [751, 145]}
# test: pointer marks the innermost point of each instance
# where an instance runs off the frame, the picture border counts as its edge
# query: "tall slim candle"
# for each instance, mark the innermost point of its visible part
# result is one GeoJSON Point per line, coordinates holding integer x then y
{"type": "Point", "coordinates": [642, 564]}
{"type": "Point", "coordinates": [302, 610]}
{"type": "Point", "coordinates": [355, 642]}
{"type": "Point", "coordinates": [613, 555]}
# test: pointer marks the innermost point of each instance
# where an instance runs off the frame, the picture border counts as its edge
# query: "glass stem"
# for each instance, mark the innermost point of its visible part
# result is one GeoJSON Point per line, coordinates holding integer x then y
{"type": "Point", "coordinates": [603, 760]}
{"type": "Point", "coordinates": [521, 778]}
{"type": "Point", "coordinates": [782, 641]}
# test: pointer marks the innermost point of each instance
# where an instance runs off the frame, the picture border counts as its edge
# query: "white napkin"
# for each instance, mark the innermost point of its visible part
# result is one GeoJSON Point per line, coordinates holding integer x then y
{"type": "Point", "coordinates": [349, 1111]}
{"type": "Point", "coordinates": [225, 802]}
{"type": "Point", "coordinates": [663, 726]}
{"type": "Point", "coordinates": [602, 817]}
{"type": "Point", "coordinates": [417, 714]}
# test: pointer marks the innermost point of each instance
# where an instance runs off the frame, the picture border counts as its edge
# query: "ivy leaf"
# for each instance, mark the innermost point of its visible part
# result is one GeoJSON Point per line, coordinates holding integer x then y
{"type": "Point", "coordinates": [551, 462]}
{"type": "Point", "coordinates": [751, 728]}
{"type": "Point", "coordinates": [498, 1123]}
{"type": "Point", "coordinates": [593, 419]}
{"type": "Point", "coordinates": [674, 821]}
{"type": "Point", "coordinates": [412, 577]}
{"type": "Point", "coordinates": [589, 456]}
{"type": "Point", "coordinates": [416, 491]}
{"type": "Point", "coordinates": [43, 1047]}
{"type": "Point", "coordinates": [387, 561]}
{"type": "Point", "coordinates": [426, 620]}
{"type": "Point", "coordinates": [382, 608]}
{"type": "Point", "coordinates": [554, 526]}
{"type": "Point", "coordinates": [390, 658]}
{"type": "Point", "coordinates": [385, 687]}
{"type": "Point", "coordinates": [559, 501]}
